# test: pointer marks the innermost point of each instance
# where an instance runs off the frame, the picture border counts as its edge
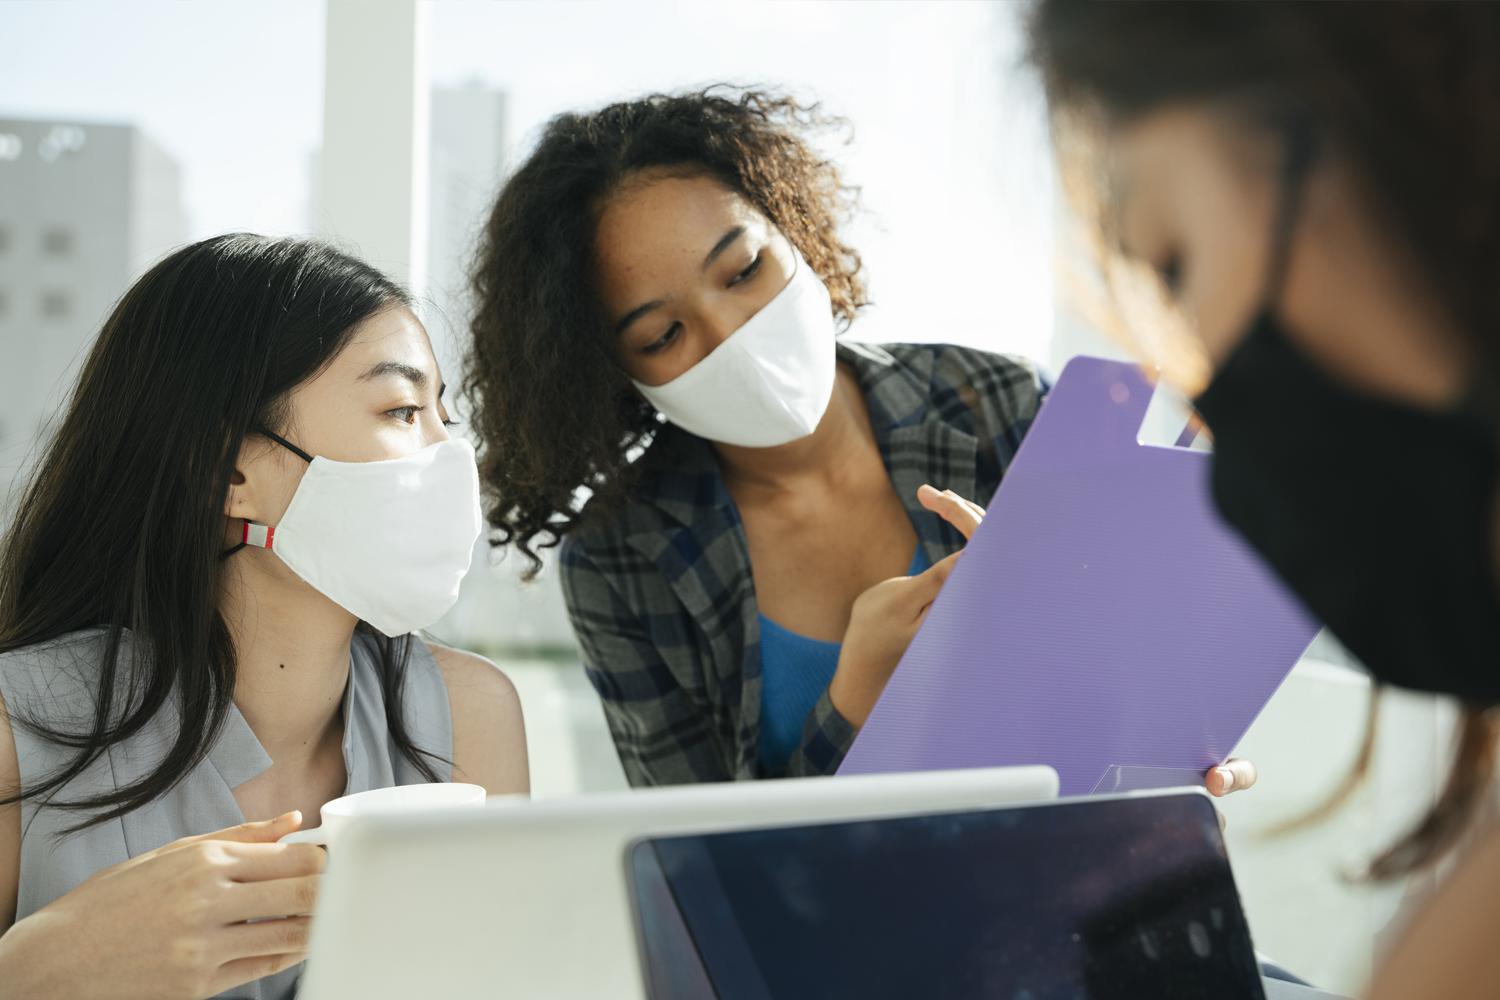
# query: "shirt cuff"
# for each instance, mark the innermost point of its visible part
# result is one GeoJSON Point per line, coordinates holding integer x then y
{"type": "Point", "coordinates": [826, 739]}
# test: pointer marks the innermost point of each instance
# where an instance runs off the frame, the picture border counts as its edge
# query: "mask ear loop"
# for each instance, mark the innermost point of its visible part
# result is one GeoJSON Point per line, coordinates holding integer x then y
{"type": "Point", "coordinates": [285, 444]}
{"type": "Point", "coordinates": [263, 536]}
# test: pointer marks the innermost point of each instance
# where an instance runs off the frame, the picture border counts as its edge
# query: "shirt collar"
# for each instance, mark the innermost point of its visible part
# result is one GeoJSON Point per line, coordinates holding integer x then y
{"type": "Point", "coordinates": [239, 756]}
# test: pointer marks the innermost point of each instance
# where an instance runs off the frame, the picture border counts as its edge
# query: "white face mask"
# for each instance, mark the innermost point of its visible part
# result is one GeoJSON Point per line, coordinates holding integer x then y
{"type": "Point", "coordinates": [387, 541]}
{"type": "Point", "coordinates": [769, 383]}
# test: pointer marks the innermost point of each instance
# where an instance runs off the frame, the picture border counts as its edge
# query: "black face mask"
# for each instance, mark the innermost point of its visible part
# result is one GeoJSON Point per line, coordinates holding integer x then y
{"type": "Point", "coordinates": [1379, 515]}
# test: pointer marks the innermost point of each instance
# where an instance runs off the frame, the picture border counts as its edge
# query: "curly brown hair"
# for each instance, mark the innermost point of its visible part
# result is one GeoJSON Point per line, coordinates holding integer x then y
{"type": "Point", "coordinates": [559, 421]}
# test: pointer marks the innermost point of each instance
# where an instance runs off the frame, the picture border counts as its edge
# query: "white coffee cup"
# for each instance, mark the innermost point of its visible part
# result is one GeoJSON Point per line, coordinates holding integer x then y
{"type": "Point", "coordinates": [397, 800]}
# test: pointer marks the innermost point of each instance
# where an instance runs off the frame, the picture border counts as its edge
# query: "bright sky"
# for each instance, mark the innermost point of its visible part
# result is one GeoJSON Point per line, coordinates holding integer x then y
{"type": "Point", "coordinates": [232, 91]}
{"type": "Point", "coordinates": [949, 141]}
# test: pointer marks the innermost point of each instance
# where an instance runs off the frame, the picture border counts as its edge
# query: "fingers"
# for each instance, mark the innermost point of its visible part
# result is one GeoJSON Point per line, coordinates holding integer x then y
{"type": "Point", "coordinates": [923, 588]}
{"type": "Point", "coordinates": [283, 897]}
{"type": "Point", "coordinates": [262, 949]}
{"type": "Point", "coordinates": [268, 862]}
{"type": "Point", "coordinates": [904, 599]}
{"type": "Point", "coordinates": [286, 936]}
{"type": "Point", "coordinates": [1233, 775]}
{"type": "Point", "coordinates": [963, 514]}
{"type": "Point", "coordinates": [262, 831]}
{"type": "Point", "coordinates": [934, 499]}
{"type": "Point", "coordinates": [1245, 774]}
{"type": "Point", "coordinates": [245, 970]}
{"type": "Point", "coordinates": [926, 584]}
{"type": "Point", "coordinates": [266, 831]}
{"type": "Point", "coordinates": [969, 505]}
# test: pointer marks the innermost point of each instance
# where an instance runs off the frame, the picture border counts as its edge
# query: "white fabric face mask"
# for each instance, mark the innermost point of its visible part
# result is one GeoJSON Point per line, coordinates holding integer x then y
{"type": "Point", "coordinates": [768, 384]}
{"type": "Point", "coordinates": [388, 541]}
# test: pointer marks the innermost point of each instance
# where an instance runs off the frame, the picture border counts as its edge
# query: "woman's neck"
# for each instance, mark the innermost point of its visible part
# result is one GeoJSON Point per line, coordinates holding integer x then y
{"type": "Point", "coordinates": [826, 456]}
{"type": "Point", "coordinates": [292, 657]}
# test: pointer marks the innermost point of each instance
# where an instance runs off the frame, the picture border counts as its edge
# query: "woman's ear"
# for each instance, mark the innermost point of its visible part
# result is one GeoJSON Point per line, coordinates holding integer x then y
{"type": "Point", "coordinates": [237, 499]}
{"type": "Point", "coordinates": [255, 483]}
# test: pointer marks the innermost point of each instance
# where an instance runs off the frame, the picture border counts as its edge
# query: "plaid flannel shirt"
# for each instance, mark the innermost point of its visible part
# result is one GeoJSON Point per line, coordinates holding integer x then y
{"type": "Point", "coordinates": [660, 591]}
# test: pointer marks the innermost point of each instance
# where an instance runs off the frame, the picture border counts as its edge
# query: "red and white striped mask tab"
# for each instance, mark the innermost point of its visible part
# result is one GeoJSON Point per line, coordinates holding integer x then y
{"type": "Point", "coordinates": [259, 535]}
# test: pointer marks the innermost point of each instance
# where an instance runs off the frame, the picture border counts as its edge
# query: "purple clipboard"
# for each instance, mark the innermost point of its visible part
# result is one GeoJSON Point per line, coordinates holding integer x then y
{"type": "Point", "coordinates": [1104, 619]}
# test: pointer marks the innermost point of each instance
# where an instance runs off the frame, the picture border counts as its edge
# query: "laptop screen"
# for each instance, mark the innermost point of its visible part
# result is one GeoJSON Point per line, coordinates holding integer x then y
{"type": "Point", "coordinates": [1089, 898]}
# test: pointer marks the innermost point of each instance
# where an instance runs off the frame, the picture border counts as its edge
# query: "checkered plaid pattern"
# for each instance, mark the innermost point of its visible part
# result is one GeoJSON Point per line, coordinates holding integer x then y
{"type": "Point", "coordinates": [661, 595]}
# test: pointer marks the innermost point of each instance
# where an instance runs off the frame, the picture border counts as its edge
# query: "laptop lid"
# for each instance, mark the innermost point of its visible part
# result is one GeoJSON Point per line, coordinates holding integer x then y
{"type": "Point", "coordinates": [1085, 899]}
{"type": "Point", "coordinates": [1103, 620]}
{"type": "Point", "coordinates": [529, 899]}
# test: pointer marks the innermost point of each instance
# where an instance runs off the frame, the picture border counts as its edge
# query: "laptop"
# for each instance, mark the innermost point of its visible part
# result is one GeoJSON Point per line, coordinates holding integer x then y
{"type": "Point", "coordinates": [1102, 898]}
{"type": "Point", "coordinates": [529, 899]}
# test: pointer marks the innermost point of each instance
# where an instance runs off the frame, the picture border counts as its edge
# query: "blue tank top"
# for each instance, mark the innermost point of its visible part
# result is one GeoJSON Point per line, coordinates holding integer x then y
{"type": "Point", "coordinates": [794, 673]}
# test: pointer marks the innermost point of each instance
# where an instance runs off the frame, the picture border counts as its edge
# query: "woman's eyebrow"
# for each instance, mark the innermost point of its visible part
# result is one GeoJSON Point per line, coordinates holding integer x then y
{"type": "Point", "coordinates": [416, 376]}
{"type": "Point", "coordinates": [636, 314]}
{"type": "Point", "coordinates": [725, 242]}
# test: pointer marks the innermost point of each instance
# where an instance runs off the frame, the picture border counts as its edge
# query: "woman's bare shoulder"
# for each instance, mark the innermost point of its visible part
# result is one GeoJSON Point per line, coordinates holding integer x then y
{"type": "Point", "coordinates": [489, 731]}
{"type": "Point", "coordinates": [1448, 949]}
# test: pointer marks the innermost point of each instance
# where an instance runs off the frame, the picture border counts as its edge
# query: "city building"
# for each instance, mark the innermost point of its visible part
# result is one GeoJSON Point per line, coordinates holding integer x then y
{"type": "Point", "coordinates": [84, 209]}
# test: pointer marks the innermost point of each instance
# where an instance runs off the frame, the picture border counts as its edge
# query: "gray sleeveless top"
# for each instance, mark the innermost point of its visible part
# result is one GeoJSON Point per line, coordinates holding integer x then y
{"type": "Point", "coordinates": [54, 682]}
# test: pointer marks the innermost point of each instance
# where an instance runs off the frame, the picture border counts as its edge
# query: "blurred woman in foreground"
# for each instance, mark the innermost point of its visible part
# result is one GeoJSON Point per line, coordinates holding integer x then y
{"type": "Point", "coordinates": [1317, 189]}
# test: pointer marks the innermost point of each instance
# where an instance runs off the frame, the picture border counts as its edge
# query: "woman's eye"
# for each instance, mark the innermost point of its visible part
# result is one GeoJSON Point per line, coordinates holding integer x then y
{"type": "Point", "coordinates": [664, 342]}
{"type": "Point", "coordinates": [747, 273]}
{"type": "Point", "coordinates": [405, 414]}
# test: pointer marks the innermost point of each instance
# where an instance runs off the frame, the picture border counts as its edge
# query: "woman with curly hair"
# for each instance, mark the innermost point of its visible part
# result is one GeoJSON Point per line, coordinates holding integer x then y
{"type": "Point", "coordinates": [749, 534]}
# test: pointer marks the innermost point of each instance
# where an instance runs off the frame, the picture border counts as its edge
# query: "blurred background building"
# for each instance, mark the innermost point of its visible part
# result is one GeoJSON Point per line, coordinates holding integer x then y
{"type": "Point", "coordinates": [389, 124]}
{"type": "Point", "coordinates": [84, 208]}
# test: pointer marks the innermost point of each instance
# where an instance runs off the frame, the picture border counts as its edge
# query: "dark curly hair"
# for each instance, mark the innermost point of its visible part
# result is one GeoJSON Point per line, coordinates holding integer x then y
{"type": "Point", "coordinates": [559, 421]}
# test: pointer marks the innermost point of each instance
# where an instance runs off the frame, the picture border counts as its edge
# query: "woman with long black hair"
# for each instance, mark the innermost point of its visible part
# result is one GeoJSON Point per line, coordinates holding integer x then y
{"type": "Point", "coordinates": [207, 595]}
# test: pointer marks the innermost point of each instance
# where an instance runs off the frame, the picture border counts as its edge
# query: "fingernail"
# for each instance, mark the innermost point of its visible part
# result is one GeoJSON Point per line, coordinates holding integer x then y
{"type": "Point", "coordinates": [1228, 776]}
{"type": "Point", "coordinates": [925, 489]}
{"type": "Point", "coordinates": [295, 816]}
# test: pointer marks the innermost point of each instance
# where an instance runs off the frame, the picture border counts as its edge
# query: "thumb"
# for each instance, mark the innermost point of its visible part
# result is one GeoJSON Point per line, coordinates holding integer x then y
{"type": "Point", "coordinates": [925, 585]}
{"type": "Point", "coordinates": [266, 831]}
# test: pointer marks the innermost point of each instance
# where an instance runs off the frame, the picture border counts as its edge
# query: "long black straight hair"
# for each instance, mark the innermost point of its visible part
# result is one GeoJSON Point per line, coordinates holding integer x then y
{"type": "Point", "coordinates": [121, 527]}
